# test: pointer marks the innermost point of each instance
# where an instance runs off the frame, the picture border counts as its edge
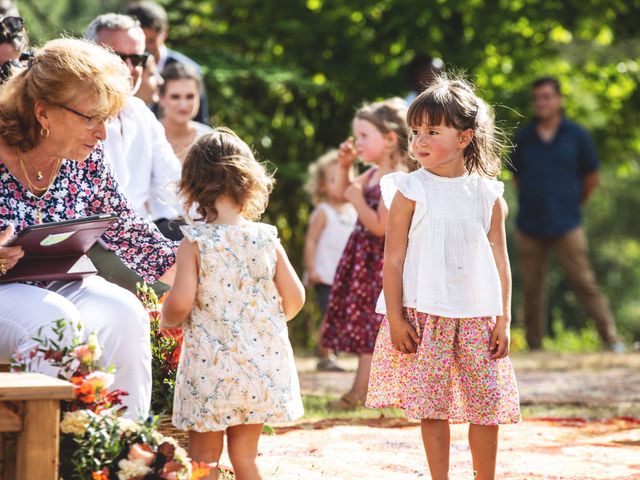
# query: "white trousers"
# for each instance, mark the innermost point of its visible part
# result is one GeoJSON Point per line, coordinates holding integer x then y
{"type": "Point", "coordinates": [115, 314]}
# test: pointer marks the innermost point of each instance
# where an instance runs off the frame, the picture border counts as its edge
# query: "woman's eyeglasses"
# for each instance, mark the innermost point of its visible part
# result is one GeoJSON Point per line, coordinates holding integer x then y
{"type": "Point", "coordinates": [137, 60]}
{"type": "Point", "coordinates": [10, 28]}
{"type": "Point", "coordinates": [90, 122]}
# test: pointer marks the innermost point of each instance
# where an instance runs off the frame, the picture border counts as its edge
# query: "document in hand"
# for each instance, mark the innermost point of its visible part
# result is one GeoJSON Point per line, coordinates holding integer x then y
{"type": "Point", "coordinates": [56, 251]}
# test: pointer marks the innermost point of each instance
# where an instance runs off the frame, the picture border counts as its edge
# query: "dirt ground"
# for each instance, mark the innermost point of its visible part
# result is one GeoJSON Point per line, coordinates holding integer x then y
{"type": "Point", "coordinates": [544, 447]}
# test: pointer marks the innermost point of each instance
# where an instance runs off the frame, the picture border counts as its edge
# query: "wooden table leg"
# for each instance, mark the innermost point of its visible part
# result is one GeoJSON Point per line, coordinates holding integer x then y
{"type": "Point", "coordinates": [38, 443]}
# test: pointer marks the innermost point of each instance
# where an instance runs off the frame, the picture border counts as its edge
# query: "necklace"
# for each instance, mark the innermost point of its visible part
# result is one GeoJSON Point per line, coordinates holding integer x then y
{"type": "Point", "coordinates": [39, 175]}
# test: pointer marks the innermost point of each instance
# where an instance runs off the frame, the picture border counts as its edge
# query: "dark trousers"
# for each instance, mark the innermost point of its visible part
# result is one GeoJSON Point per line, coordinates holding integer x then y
{"type": "Point", "coordinates": [571, 250]}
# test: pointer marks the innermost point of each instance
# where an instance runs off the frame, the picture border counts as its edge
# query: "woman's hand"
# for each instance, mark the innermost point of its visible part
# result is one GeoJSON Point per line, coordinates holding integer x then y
{"type": "Point", "coordinates": [403, 336]}
{"type": "Point", "coordinates": [500, 339]}
{"type": "Point", "coordinates": [9, 256]}
{"type": "Point", "coordinates": [347, 153]}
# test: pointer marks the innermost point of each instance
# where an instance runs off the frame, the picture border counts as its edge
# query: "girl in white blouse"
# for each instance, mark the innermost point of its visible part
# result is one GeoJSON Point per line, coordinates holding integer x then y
{"type": "Point", "coordinates": [441, 353]}
{"type": "Point", "coordinates": [330, 226]}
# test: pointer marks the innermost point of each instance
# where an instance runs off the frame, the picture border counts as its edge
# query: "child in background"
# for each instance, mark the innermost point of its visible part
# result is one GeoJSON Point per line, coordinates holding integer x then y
{"type": "Point", "coordinates": [234, 291]}
{"type": "Point", "coordinates": [381, 140]}
{"type": "Point", "coordinates": [441, 353]}
{"type": "Point", "coordinates": [330, 225]}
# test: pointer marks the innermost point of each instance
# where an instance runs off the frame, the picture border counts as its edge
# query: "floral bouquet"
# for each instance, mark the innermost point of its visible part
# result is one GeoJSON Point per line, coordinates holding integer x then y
{"type": "Point", "coordinates": [165, 353]}
{"type": "Point", "coordinates": [97, 443]}
{"type": "Point", "coordinates": [106, 446]}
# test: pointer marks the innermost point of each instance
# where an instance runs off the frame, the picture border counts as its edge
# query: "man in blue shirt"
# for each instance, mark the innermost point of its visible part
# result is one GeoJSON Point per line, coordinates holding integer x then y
{"type": "Point", "coordinates": [555, 167]}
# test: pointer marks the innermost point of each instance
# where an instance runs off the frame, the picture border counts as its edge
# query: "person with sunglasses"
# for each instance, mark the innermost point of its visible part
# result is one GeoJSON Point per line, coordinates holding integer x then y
{"type": "Point", "coordinates": [53, 118]}
{"type": "Point", "coordinates": [136, 146]}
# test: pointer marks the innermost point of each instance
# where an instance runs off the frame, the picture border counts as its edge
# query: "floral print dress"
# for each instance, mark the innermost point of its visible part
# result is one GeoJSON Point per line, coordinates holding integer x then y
{"type": "Point", "coordinates": [351, 321]}
{"type": "Point", "coordinates": [236, 365]}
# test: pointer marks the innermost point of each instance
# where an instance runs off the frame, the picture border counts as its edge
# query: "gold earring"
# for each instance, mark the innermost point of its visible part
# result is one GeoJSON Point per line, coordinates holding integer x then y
{"type": "Point", "coordinates": [44, 132]}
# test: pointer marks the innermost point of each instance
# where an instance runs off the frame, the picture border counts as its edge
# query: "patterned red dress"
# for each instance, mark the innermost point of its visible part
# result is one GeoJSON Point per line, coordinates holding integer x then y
{"type": "Point", "coordinates": [352, 324]}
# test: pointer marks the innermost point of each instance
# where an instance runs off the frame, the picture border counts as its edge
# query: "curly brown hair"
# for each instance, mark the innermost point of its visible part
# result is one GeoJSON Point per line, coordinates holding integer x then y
{"type": "Point", "coordinates": [218, 164]}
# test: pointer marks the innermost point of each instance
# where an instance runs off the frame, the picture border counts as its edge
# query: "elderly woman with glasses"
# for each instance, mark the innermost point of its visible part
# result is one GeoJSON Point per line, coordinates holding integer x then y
{"type": "Point", "coordinates": [52, 125]}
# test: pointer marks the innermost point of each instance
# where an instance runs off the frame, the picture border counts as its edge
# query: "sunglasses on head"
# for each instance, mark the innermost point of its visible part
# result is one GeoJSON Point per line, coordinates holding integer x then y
{"type": "Point", "coordinates": [10, 28]}
{"type": "Point", "coordinates": [137, 60]}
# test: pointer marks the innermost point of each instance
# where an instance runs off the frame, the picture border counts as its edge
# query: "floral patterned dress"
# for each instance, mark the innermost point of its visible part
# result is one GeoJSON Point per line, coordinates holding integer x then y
{"type": "Point", "coordinates": [236, 365]}
{"type": "Point", "coordinates": [351, 321]}
{"type": "Point", "coordinates": [88, 188]}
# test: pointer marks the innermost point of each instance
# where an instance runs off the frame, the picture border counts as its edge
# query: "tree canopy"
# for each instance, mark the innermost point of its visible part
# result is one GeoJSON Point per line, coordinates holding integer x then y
{"type": "Point", "coordinates": [288, 75]}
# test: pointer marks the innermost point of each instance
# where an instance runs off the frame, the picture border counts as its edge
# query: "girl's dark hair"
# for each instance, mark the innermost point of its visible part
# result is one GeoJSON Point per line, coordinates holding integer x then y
{"type": "Point", "coordinates": [220, 163]}
{"type": "Point", "coordinates": [454, 101]}
{"type": "Point", "coordinates": [390, 116]}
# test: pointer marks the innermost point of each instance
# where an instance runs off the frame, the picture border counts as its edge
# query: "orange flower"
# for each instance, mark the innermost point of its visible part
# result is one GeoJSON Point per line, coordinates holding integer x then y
{"type": "Point", "coordinates": [201, 469]}
{"type": "Point", "coordinates": [101, 475]}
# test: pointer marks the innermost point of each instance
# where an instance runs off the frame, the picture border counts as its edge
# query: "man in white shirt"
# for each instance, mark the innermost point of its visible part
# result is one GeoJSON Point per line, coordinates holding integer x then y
{"type": "Point", "coordinates": [142, 159]}
{"type": "Point", "coordinates": [136, 146]}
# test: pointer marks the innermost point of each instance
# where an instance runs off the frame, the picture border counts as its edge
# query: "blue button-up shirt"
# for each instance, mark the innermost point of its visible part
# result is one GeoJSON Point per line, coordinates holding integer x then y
{"type": "Point", "coordinates": [550, 178]}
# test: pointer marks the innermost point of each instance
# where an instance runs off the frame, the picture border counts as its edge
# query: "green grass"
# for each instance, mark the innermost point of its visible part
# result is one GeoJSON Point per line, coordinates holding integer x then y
{"type": "Point", "coordinates": [317, 407]}
{"type": "Point", "coordinates": [586, 412]}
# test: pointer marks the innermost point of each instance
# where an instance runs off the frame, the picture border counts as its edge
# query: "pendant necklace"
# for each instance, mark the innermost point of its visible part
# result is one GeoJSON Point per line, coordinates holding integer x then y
{"type": "Point", "coordinates": [39, 177]}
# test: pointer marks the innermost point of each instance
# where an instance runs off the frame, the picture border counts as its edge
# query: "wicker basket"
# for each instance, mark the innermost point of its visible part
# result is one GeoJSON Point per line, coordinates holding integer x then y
{"type": "Point", "coordinates": [166, 428]}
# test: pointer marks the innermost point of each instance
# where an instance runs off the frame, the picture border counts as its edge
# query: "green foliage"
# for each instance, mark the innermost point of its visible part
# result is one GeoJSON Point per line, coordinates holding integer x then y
{"type": "Point", "coordinates": [100, 446]}
{"type": "Point", "coordinates": [571, 340]}
{"type": "Point", "coordinates": [287, 76]}
{"type": "Point", "coordinates": [165, 352]}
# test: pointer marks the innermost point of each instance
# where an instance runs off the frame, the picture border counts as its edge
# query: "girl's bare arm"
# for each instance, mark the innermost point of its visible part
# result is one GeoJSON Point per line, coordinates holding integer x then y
{"type": "Point", "coordinates": [288, 284]}
{"type": "Point", "coordinates": [182, 296]}
{"type": "Point", "coordinates": [403, 335]}
{"type": "Point", "coordinates": [316, 225]}
{"type": "Point", "coordinates": [498, 240]}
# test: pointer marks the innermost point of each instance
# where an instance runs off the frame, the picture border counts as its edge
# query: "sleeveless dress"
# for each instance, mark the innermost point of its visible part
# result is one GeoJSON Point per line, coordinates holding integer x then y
{"type": "Point", "coordinates": [451, 295]}
{"type": "Point", "coordinates": [351, 321]}
{"type": "Point", "coordinates": [236, 365]}
{"type": "Point", "coordinates": [333, 239]}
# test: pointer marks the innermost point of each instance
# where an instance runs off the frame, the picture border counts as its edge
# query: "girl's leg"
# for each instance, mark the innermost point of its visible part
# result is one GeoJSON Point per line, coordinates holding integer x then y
{"type": "Point", "coordinates": [243, 449]}
{"type": "Point", "coordinates": [206, 447]}
{"type": "Point", "coordinates": [483, 440]}
{"type": "Point", "coordinates": [361, 381]}
{"type": "Point", "coordinates": [436, 438]}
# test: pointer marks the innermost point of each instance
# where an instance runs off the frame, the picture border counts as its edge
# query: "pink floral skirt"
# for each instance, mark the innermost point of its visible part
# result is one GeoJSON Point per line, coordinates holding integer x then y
{"type": "Point", "coordinates": [451, 377]}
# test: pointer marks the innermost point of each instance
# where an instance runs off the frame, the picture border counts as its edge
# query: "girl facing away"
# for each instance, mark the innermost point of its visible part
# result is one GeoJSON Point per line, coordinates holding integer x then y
{"type": "Point", "coordinates": [179, 101]}
{"type": "Point", "coordinates": [441, 353]}
{"type": "Point", "coordinates": [235, 289]}
{"type": "Point", "coordinates": [330, 225]}
{"type": "Point", "coordinates": [381, 141]}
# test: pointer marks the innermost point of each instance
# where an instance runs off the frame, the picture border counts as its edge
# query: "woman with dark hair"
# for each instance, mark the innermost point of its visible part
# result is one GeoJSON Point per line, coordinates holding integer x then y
{"type": "Point", "coordinates": [179, 105]}
{"type": "Point", "coordinates": [52, 125]}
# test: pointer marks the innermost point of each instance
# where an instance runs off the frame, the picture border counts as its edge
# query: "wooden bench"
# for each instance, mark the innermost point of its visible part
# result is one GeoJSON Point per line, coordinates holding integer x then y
{"type": "Point", "coordinates": [30, 406]}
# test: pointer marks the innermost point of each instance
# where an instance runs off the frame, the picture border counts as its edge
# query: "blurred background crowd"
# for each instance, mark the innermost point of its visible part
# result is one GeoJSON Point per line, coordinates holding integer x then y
{"type": "Point", "coordinates": [287, 76]}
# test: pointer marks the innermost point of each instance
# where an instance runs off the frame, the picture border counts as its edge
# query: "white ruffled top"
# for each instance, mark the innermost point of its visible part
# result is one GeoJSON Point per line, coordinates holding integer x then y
{"type": "Point", "coordinates": [449, 268]}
